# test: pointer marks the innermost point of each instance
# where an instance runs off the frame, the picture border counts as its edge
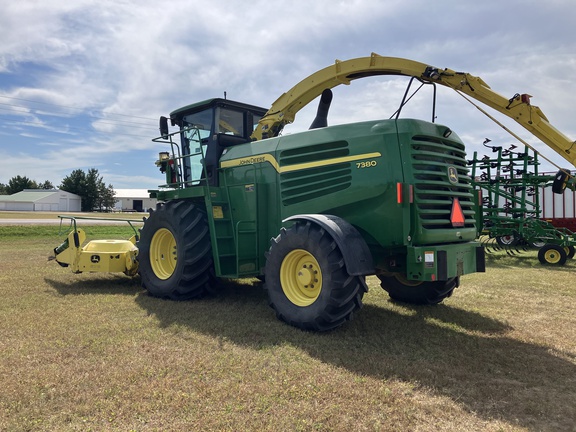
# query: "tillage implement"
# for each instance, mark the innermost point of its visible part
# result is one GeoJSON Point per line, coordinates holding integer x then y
{"type": "Point", "coordinates": [509, 183]}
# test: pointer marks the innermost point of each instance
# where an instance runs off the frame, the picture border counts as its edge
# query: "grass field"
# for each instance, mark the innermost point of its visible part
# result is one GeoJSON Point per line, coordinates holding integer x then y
{"type": "Point", "coordinates": [95, 352]}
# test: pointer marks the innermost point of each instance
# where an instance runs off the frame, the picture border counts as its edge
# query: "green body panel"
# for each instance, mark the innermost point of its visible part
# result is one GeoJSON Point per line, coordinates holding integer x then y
{"type": "Point", "coordinates": [353, 171]}
{"type": "Point", "coordinates": [458, 259]}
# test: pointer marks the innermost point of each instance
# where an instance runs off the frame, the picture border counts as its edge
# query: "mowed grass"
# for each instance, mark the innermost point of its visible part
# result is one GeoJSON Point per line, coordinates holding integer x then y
{"type": "Point", "coordinates": [95, 352]}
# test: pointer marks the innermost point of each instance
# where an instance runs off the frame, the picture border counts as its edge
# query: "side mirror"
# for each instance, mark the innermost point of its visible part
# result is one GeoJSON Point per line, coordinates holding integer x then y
{"type": "Point", "coordinates": [164, 127]}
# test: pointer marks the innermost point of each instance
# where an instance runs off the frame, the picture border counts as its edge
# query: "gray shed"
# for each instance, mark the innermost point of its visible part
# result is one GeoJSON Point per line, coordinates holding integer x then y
{"type": "Point", "coordinates": [41, 200]}
{"type": "Point", "coordinates": [130, 200]}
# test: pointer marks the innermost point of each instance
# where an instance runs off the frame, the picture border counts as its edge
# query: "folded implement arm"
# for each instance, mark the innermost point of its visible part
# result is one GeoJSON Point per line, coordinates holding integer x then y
{"type": "Point", "coordinates": [517, 108]}
{"type": "Point", "coordinates": [284, 109]}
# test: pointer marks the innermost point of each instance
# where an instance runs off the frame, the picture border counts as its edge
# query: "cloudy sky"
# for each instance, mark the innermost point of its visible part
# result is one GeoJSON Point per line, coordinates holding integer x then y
{"type": "Point", "coordinates": [83, 82]}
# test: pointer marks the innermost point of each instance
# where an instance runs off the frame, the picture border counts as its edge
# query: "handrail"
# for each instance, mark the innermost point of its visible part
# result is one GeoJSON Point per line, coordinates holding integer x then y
{"type": "Point", "coordinates": [74, 218]}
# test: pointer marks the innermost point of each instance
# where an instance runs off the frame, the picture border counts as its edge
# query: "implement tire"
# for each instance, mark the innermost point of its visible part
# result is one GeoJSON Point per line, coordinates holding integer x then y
{"type": "Point", "coordinates": [425, 293]}
{"type": "Point", "coordinates": [552, 254]}
{"type": "Point", "coordinates": [306, 279]}
{"type": "Point", "coordinates": [174, 252]}
{"type": "Point", "coordinates": [507, 240]}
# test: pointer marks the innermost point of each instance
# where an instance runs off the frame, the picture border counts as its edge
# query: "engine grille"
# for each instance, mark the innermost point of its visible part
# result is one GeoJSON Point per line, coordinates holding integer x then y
{"type": "Point", "coordinates": [313, 182]}
{"type": "Point", "coordinates": [432, 160]}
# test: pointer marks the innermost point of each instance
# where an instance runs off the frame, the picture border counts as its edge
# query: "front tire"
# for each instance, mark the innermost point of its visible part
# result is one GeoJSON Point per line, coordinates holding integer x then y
{"type": "Point", "coordinates": [307, 282]}
{"type": "Point", "coordinates": [174, 252]}
{"type": "Point", "coordinates": [415, 292]}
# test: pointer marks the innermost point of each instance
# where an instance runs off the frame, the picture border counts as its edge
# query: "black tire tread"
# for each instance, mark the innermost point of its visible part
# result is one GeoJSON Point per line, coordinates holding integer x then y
{"type": "Point", "coordinates": [426, 293]}
{"type": "Point", "coordinates": [195, 276]}
{"type": "Point", "coordinates": [345, 291]}
{"type": "Point", "coordinates": [544, 249]}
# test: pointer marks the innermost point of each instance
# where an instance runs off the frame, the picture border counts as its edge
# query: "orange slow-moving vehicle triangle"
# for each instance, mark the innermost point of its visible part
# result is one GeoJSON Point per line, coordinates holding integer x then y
{"type": "Point", "coordinates": [457, 215]}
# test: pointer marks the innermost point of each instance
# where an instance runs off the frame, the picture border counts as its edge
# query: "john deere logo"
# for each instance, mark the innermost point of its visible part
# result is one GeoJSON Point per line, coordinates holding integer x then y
{"type": "Point", "coordinates": [452, 174]}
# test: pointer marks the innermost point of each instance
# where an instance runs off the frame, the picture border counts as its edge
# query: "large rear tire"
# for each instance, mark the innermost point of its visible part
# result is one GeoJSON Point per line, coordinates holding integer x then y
{"type": "Point", "coordinates": [306, 279]}
{"type": "Point", "coordinates": [174, 252]}
{"type": "Point", "coordinates": [427, 293]}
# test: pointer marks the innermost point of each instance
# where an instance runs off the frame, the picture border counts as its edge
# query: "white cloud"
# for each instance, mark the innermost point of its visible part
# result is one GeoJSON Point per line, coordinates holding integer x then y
{"type": "Point", "coordinates": [93, 60]}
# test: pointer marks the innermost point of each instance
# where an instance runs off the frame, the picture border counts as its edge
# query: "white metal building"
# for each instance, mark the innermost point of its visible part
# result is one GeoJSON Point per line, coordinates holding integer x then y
{"type": "Point", "coordinates": [133, 200]}
{"type": "Point", "coordinates": [41, 200]}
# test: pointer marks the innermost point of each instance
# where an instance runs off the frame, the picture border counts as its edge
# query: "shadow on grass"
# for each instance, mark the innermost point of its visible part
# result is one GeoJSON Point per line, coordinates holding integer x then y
{"type": "Point", "coordinates": [110, 283]}
{"type": "Point", "coordinates": [457, 353]}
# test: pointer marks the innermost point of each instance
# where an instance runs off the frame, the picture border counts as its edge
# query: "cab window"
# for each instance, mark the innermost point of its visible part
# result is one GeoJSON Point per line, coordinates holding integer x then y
{"type": "Point", "coordinates": [230, 122]}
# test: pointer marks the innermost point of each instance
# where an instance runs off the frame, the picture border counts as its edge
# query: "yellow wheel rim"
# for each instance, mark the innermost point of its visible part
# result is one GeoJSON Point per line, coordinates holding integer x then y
{"type": "Point", "coordinates": [163, 253]}
{"type": "Point", "coordinates": [301, 277]}
{"type": "Point", "coordinates": [552, 256]}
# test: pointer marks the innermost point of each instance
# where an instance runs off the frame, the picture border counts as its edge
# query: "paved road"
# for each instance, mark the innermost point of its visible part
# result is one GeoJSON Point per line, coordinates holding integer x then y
{"type": "Point", "coordinates": [56, 221]}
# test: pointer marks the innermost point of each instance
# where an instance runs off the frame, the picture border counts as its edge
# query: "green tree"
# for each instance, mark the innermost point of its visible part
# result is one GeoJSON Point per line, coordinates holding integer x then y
{"type": "Point", "coordinates": [106, 197]}
{"type": "Point", "coordinates": [75, 182]}
{"type": "Point", "coordinates": [19, 183]}
{"type": "Point", "coordinates": [95, 195]}
{"type": "Point", "coordinates": [46, 185]}
{"type": "Point", "coordinates": [3, 189]}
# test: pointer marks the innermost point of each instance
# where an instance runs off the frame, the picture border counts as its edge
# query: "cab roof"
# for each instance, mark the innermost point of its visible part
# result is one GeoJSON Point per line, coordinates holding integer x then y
{"type": "Point", "coordinates": [211, 103]}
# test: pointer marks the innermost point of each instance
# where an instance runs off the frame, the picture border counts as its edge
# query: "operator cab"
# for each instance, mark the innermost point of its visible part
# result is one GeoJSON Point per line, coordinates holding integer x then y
{"type": "Point", "coordinates": [207, 129]}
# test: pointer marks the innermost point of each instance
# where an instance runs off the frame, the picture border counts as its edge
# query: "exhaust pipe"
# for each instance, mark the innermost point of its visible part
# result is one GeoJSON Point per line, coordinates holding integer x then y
{"type": "Point", "coordinates": [321, 119]}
